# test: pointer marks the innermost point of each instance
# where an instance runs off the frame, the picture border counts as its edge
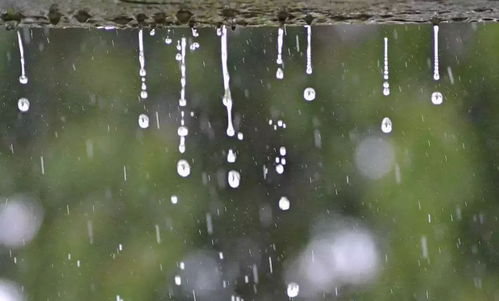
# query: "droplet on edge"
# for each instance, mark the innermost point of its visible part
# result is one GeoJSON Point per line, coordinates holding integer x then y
{"type": "Point", "coordinates": [143, 121]}
{"type": "Point", "coordinates": [309, 94]}
{"type": "Point", "coordinates": [183, 168]}
{"type": "Point", "coordinates": [437, 98]}
{"type": "Point", "coordinates": [23, 104]}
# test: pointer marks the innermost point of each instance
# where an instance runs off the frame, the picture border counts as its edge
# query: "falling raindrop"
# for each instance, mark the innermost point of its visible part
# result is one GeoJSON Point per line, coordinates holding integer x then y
{"type": "Point", "coordinates": [309, 94]}
{"type": "Point", "coordinates": [279, 74]}
{"type": "Point", "coordinates": [152, 32]}
{"type": "Point", "coordinates": [279, 169]}
{"type": "Point", "coordinates": [23, 79]}
{"type": "Point", "coordinates": [178, 280]}
{"type": "Point", "coordinates": [284, 203]}
{"type": "Point", "coordinates": [23, 104]}
{"type": "Point", "coordinates": [282, 151]}
{"type": "Point", "coordinates": [386, 84]}
{"type": "Point", "coordinates": [183, 168]}
{"type": "Point", "coordinates": [437, 98]}
{"type": "Point", "coordinates": [309, 49]}
{"type": "Point", "coordinates": [231, 156]}
{"type": "Point", "coordinates": [386, 125]}
{"type": "Point", "coordinates": [143, 121]}
{"type": "Point", "coordinates": [227, 99]}
{"type": "Point", "coordinates": [234, 178]}
{"type": "Point", "coordinates": [240, 136]}
{"type": "Point", "coordinates": [174, 199]}
{"type": "Point", "coordinates": [168, 40]}
{"type": "Point", "coordinates": [293, 290]}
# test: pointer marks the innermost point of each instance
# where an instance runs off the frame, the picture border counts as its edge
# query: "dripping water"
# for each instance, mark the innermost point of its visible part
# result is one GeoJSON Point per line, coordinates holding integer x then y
{"type": "Point", "coordinates": [23, 79]}
{"type": "Point", "coordinates": [142, 62]}
{"type": "Point", "coordinates": [386, 84]}
{"type": "Point", "coordinates": [436, 97]}
{"type": "Point", "coordinates": [280, 37]}
{"type": "Point", "coordinates": [227, 99]}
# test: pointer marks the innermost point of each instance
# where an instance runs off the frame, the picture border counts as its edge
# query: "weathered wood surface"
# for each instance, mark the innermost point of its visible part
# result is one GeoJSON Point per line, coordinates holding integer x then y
{"type": "Point", "coordinates": [132, 13]}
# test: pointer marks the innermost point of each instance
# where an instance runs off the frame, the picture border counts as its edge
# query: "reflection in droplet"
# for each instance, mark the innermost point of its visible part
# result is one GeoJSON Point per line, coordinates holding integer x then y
{"type": "Point", "coordinates": [143, 121]}
{"type": "Point", "coordinates": [386, 125]}
{"type": "Point", "coordinates": [234, 178]}
{"type": "Point", "coordinates": [284, 203]}
{"type": "Point", "coordinates": [183, 168]}
{"type": "Point", "coordinates": [23, 104]}
{"type": "Point", "coordinates": [309, 94]}
{"type": "Point", "coordinates": [437, 98]}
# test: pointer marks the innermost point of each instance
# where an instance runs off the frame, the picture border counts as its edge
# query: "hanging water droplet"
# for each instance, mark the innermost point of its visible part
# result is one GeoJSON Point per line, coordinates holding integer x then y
{"type": "Point", "coordinates": [152, 32]}
{"type": "Point", "coordinates": [293, 290]}
{"type": "Point", "coordinates": [309, 94]}
{"type": "Point", "coordinates": [174, 199]}
{"type": "Point", "coordinates": [231, 156]}
{"type": "Point", "coordinates": [227, 98]}
{"type": "Point", "coordinates": [168, 41]}
{"type": "Point", "coordinates": [234, 178]}
{"type": "Point", "coordinates": [183, 168]}
{"type": "Point", "coordinates": [437, 98]}
{"type": "Point", "coordinates": [284, 203]}
{"type": "Point", "coordinates": [23, 104]}
{"type": "Point", "coordinates": [143, 121]}
{"type": "Point", "coordinates": [279, 73]}
{"type": "Point", "coordinates": [386, 125]}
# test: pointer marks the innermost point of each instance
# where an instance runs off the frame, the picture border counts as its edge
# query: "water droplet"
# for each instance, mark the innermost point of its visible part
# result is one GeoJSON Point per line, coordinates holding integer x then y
{"type": "Point", "coordinates": [279, 169]}
{"type": "Point", "coordinates": [436, 68]}
{"type": "Point", "coordinates": [168, 41]}
{"type": "Point", "coordinates": [178, 57]}
{"type": "Point", "coordinates": [282, 151]}
{"type": "Point", "coordinates": [23, 104]}
{"type": "Point", "coordinates": [309, 49]}
{"type": "Point", "coordinates": [23, 79]}
{"type": "Point", "coordinates": [309, 94]}
{"type": "Point", "coordinates": [234, 178]}
{"type": "Point", "coordinates": [386, 125]}
{"type": "Point", "coordinates": [174, 199]}
{"type": "Point", "coordinates": [143, 121]}
{"type": "Point", "coordinates": [279, 73]}
{"type": "Point", "coordinates": [437, 98]}
{"type": "Point", "coordinates": [178, 280]}
{"type": "Point", "coordinates": [231, 156]}
{"type": "Point", "coordinates": [284, 203]}
{"type": "Point", "coordinates": [293, 290]}
{"type": "Point", "coordinates": [143, 94]}
{"type": "Point", "coordinates": [240, 136]}
{"type": "Point", "coordinates": [182, 131]}
{"type": "Point", "coordinates": [152, 32]}
{"type": "Point", "coordinates": [183, 168]}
